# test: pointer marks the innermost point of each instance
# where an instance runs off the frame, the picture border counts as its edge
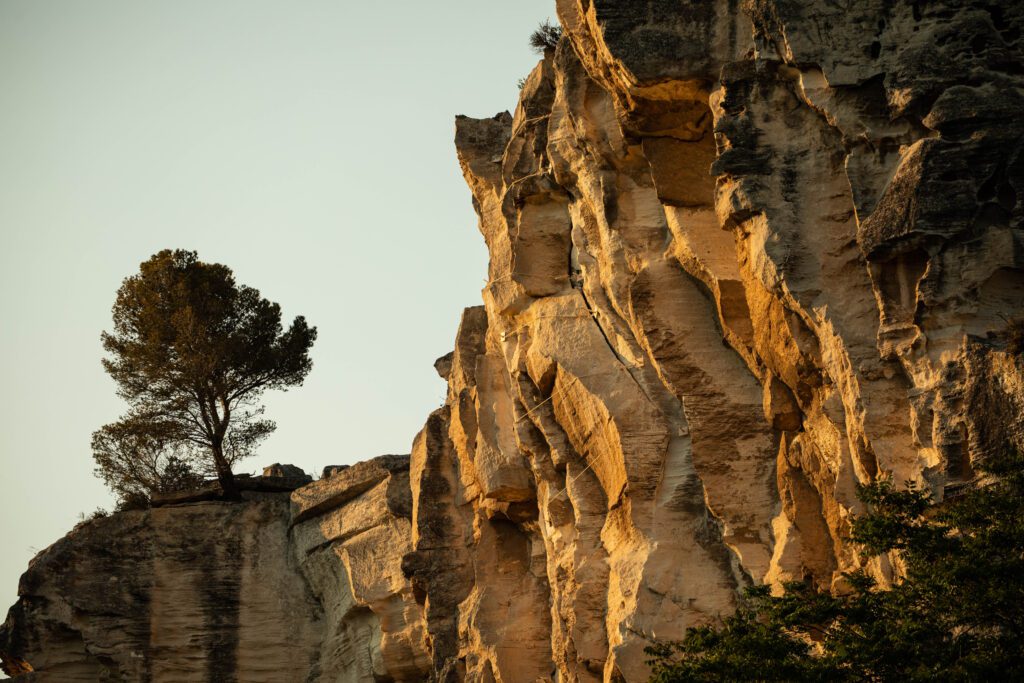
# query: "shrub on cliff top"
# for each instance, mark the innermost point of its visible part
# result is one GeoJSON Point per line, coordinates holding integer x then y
{"type": "Point", "coordinates": [956, 615]}
{"type": "Point", "coordinates": [546, 37]}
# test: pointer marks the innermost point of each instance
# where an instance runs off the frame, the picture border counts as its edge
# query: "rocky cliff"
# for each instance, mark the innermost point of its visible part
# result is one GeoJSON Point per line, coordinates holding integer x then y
{"type": "Point", "coordinates": [743, 256]}
{"type": "Point", "coordinates": [300, 586]}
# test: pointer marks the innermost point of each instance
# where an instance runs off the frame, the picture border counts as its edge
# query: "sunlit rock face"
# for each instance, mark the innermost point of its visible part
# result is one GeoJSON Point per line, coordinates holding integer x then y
{"type": "Point", "coordinates": [743, 257]}
{"type": "Point", "coordinates": [349, 534]}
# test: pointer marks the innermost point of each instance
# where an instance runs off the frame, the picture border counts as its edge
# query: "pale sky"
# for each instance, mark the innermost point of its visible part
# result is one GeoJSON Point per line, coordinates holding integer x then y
{"type": "Point", "coordinates": [307, 144]}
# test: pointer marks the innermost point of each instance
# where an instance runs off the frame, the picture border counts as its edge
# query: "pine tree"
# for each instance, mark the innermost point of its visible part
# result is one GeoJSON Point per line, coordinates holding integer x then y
{"type": "Point", "coordinates": [192, 352]}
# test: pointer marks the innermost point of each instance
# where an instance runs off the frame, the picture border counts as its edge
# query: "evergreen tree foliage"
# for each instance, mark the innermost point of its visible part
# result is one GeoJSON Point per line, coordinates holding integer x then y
{"type": "Point", "coordinates": [136, 460]}
{"type": "Point", "coordinates": [192, 352]}
{"type": "Point", "coordinates": [957, 614]}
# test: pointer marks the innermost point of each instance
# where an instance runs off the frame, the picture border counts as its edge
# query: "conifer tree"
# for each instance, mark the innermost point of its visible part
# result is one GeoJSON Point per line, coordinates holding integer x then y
{"type": "Point", "coordinates": [192, 352]}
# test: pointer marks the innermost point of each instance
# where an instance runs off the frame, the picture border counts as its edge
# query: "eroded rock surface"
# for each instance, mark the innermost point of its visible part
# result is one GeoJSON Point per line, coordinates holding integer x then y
{"type": "Point", "coordinates": [305, 586]}
{"type": "Point", "coordinates": [201, 592]}
{"type": "Point", "coordinates": [743, 257]}
{"type": "Point", "coordinates": [350, 532]}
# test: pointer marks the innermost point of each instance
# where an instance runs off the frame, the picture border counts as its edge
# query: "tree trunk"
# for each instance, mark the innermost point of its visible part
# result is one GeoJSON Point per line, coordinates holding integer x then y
{"type": "Point", "coordinates": [225, 477]}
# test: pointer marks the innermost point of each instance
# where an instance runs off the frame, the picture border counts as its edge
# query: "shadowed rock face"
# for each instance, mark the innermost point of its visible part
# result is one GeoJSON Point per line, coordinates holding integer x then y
{"type": "Point", "coordinates": [304, 586]}
{"type": "Point", "coordinates": [743, 257]}
{"type": "Point", "coordinates": [204, 592]}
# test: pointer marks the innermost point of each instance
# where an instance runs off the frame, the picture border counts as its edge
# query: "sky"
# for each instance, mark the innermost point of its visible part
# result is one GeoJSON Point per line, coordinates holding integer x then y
{"type": "Point", "coordinates": [306, 144]}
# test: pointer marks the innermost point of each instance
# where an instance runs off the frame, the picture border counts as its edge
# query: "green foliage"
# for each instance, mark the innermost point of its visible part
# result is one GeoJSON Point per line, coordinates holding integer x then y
{"type": "Point", "coordinates": [545, 37]}
{"type": "Point", "coordinates": [956, 615]}
{"type": "Point", "coordinates": [137, 458]}
{"type": "Point", "coordinates": [192, 352]}
{"type": "Point", "coordinates": [751, 645]}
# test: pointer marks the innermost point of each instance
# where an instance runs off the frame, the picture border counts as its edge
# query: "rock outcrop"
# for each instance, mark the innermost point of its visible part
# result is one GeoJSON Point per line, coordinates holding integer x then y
{"type": "Point", "coordinates": [743, 257]}
{"type": "Point", "coordinates": [300, 586]}
{"type": "Point", "coordinates": [349, 534]}
{"type": "Point", "coordinates": [202, 592]}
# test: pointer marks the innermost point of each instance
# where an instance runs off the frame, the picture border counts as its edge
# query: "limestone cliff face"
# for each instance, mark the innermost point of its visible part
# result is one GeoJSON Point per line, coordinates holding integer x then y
{"type": "Point", "coordinates": [201, 592]}
{"type": "Point", "coordinates": [349, 534]}
{"type": "Point", "coordinates": [743, 256]}
{"type": "Point", "coordinates": [271, 589]}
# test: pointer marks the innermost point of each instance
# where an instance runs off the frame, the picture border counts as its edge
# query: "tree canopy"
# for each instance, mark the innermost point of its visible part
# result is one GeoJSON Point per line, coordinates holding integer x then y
{"type": "Point", "coordinates": [957, 614]}
{"type": "Point", "coordinates": [191, 352]}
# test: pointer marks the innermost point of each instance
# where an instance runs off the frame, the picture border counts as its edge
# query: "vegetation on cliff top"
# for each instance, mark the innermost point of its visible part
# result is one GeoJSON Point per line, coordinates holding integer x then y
{"type": "Point", "coordinates": [956, 615]}
{"type": "Point", "coordinates": [192, 352]}
{"type": "Point", "coordinates": [545, 37]}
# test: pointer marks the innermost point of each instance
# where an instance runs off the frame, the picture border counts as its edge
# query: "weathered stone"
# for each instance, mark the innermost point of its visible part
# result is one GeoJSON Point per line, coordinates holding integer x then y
{"type": "Point", "coordinates": [268, 589]}
{"type": "Point", "coordinates": [280, 471]}
{"type": "Point", "coordinates": [344, 485]}
{"type": "Point", "coordinates": [331, 470]}
{"type": "Point", "coordinates": [443, 365]}
{"type": "Point", "coordinates": [249, 487]}
{"type": "Point", "coordinates": [739, 263]}
{"type": "Point", "coordinates": [350, 532]}
{"type": "Point", "coordinates": [743, 257]}
{"type": "Point", "coordinates": [175, 593]}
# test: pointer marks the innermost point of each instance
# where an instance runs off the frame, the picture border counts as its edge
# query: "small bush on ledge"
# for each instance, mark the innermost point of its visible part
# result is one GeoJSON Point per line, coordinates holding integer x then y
{"type": "Point", "coordinates": [546, 37]}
